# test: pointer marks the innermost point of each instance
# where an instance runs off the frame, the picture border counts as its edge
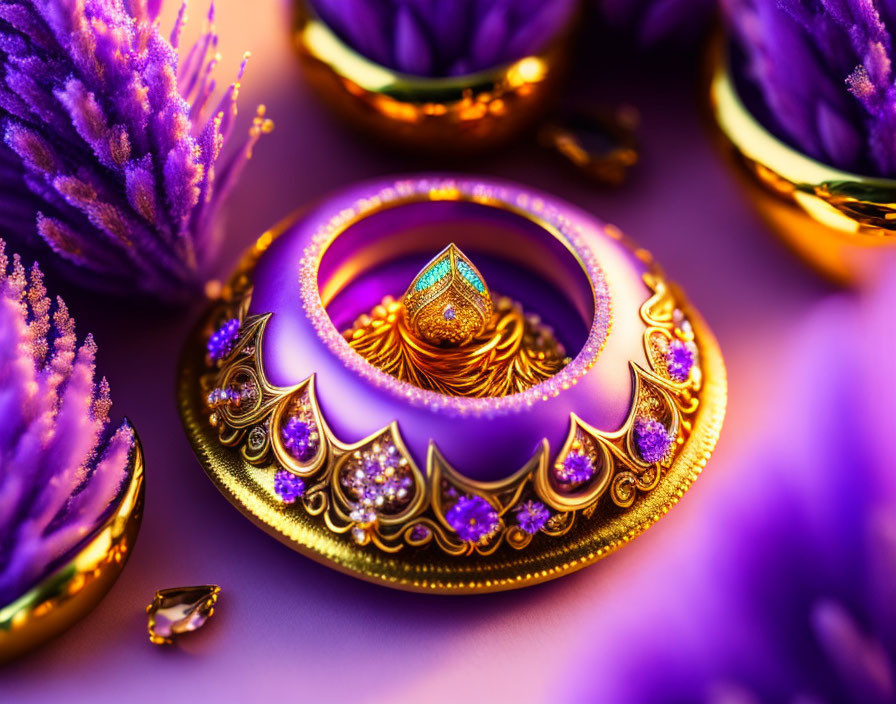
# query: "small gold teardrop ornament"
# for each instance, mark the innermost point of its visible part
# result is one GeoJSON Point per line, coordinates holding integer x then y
{"type": "Point", "coordinates": [448, 302]}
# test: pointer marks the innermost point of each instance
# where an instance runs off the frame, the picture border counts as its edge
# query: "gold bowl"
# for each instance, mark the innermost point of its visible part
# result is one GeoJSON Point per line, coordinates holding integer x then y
{"type": "Point", "coordinates": [74, 588]}
{"type": "Point", "coordinates": [841, 223]}
{"type": "Point", "coordinates": [456, 115]}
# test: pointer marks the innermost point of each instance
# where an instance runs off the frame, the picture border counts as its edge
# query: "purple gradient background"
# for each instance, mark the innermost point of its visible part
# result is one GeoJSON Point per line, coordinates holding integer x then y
{"type": "Point", "coordinates": [288, 627]}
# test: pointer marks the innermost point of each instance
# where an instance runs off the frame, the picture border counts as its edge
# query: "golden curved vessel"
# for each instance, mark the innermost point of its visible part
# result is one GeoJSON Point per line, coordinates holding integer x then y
{"type": "Point", "coordinates": [839, 222]}
{"type": "Point", "coordinates": [72, 590]}
{"type": "Point", "coordinates": [451, 116]}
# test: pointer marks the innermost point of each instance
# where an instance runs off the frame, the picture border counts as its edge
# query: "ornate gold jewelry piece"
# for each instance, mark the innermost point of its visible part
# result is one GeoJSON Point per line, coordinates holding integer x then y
{"type": "Point", "coordinates": [424, 480]}
{"type": "Point", "coordinates": [445, 335]}
{"type": "Point", "coordinates": [180, 610]}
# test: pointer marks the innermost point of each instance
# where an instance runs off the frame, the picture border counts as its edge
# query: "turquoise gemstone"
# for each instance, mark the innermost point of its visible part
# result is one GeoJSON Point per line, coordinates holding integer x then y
{"type": "Point", "coordinates": [467, 272]}
{"type": "Point", "coordinates": [434, 274]}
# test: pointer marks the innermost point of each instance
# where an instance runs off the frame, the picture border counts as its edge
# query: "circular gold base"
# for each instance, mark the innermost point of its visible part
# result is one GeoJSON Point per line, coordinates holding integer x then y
{"type": "Point", "coordinates": [67, 595]}
{"type": "Point", "coordinates": [840, 223]}
{"type": "Point", "coordinates": [428, 569]}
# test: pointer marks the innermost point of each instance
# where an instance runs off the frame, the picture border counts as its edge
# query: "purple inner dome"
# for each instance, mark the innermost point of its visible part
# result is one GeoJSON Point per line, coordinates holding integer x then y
{"type": "Point", "coordinates": [445, 38]}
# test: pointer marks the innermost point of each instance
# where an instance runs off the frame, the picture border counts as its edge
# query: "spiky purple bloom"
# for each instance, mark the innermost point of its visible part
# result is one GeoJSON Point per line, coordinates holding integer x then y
{"type": "Point", "coordinates": [652, 439]}
{"type": "Point", "coordinates": [220, 343]}
{"type": "Point", "coordinates": [679, 360]}
{"type": "Point", "coordinates": [288, 486]}
{"type": "Point", "coordinates": [472, 518]}
{"type": "Point", "coordinates": [531, 516]}
{"type": "Point", "coordinates": [445, 37]}
{"type": "Point", "coordinates": [654, 22]}
{"type": "Point", "coordinates": [577, 467]}
{"type": "Point", "coordinates": [296, 435]}
{"type": "Point", "coordinates": [60, 464]}
{"type": "Point", "coordinates": [113, 147]}
{"type": "Point", "coordinates": [792, 559]}
{"type": "Point", "coordinates": [822, 71]}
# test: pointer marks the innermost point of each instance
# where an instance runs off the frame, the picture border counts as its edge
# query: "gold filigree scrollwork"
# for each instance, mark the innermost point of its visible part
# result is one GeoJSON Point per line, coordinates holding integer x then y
{"type": "Point", "coordinates": [448, 487]}
{"type": "Point", "coordinates": [373, 491]}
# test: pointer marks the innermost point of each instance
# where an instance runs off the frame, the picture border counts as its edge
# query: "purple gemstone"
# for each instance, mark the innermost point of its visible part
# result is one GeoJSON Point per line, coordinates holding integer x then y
{"type": "Point", "coordinates": [372, 468]}
{"type": "Point", "coordinates": [221, 341]}
{"type": "Point", "coordinates": [449, 313]}
{"type": "Point", "coordinates": [419, 532]}
{"type": "Point", "coordinates": [296, 435]}
{"type": "Point", "coordinates": [652, 439]}
{"type": "Point", "coordinates": [679, 360]}
{"type": "Point", "coordinates": [531, 516]}
{"type": "Point", "coordinates": [577, 467]}
{"type": "Point", "coordinates": [288, 486]}
{"type": "Point", "coordinates": [472, 518]}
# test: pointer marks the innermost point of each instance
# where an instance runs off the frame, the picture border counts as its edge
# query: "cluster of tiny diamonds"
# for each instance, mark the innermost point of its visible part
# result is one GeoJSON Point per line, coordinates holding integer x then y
{"type": "Point", "coordinates": [450, 189]}
{"type": "Point", "coordinates": [377, 480]}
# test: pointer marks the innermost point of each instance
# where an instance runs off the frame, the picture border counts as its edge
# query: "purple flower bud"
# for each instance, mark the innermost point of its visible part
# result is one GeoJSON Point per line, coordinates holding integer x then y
{"type": "Point", "coordinates": [112, 146]}
{"type": "Point", "coordinates": [824, 76]}
{"type": "Point", "coordinates": [61, 466]}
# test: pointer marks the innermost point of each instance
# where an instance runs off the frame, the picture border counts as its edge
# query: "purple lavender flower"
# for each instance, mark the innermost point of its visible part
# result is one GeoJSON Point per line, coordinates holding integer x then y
{"type": "Point", "coordinates": [531, 516]}
{"type": "Point", "coordinates": [577, 467]}
{"type": "Point", "coordinates": [221, 341]}
{"type": "Point", "coordinates": [679, 360]}
{"type": "Point", "coordinates": [296, 435]}
{"type": "Point", "coordinates": [112, 146]}
{"type": "Point", "coordinates": [788, 569]}
{"type": "Point", "coordinates": [60, 465]}
{"type": "Point", "coordinates": [445, 37]}
{"type": "Point", "coordinates": [652, 439]}
{"type": "Point", "coordinates": [472, 518]}
{"type": "Point", "coordinates": [288, 486]}
{"type": "Point", "coordinates": [659, 21]}
{"type": "Point", "coordinates": [824, 77]}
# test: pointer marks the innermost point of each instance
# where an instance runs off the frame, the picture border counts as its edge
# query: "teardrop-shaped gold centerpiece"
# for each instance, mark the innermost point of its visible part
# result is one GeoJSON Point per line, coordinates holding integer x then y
{"type": "Point", "coordinates": [449, 334]}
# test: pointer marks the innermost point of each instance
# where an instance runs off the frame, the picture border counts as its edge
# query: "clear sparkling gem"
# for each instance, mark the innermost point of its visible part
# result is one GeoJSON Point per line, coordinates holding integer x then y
{"type": "Point", "coordinates": [180, 610]}
{"type": "Point", "coordinates": [257, 437]}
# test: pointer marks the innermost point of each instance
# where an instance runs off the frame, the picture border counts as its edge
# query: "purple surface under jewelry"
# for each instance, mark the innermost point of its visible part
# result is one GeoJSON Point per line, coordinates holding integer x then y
{"type": "Point", "coordinates": [288, 629]}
